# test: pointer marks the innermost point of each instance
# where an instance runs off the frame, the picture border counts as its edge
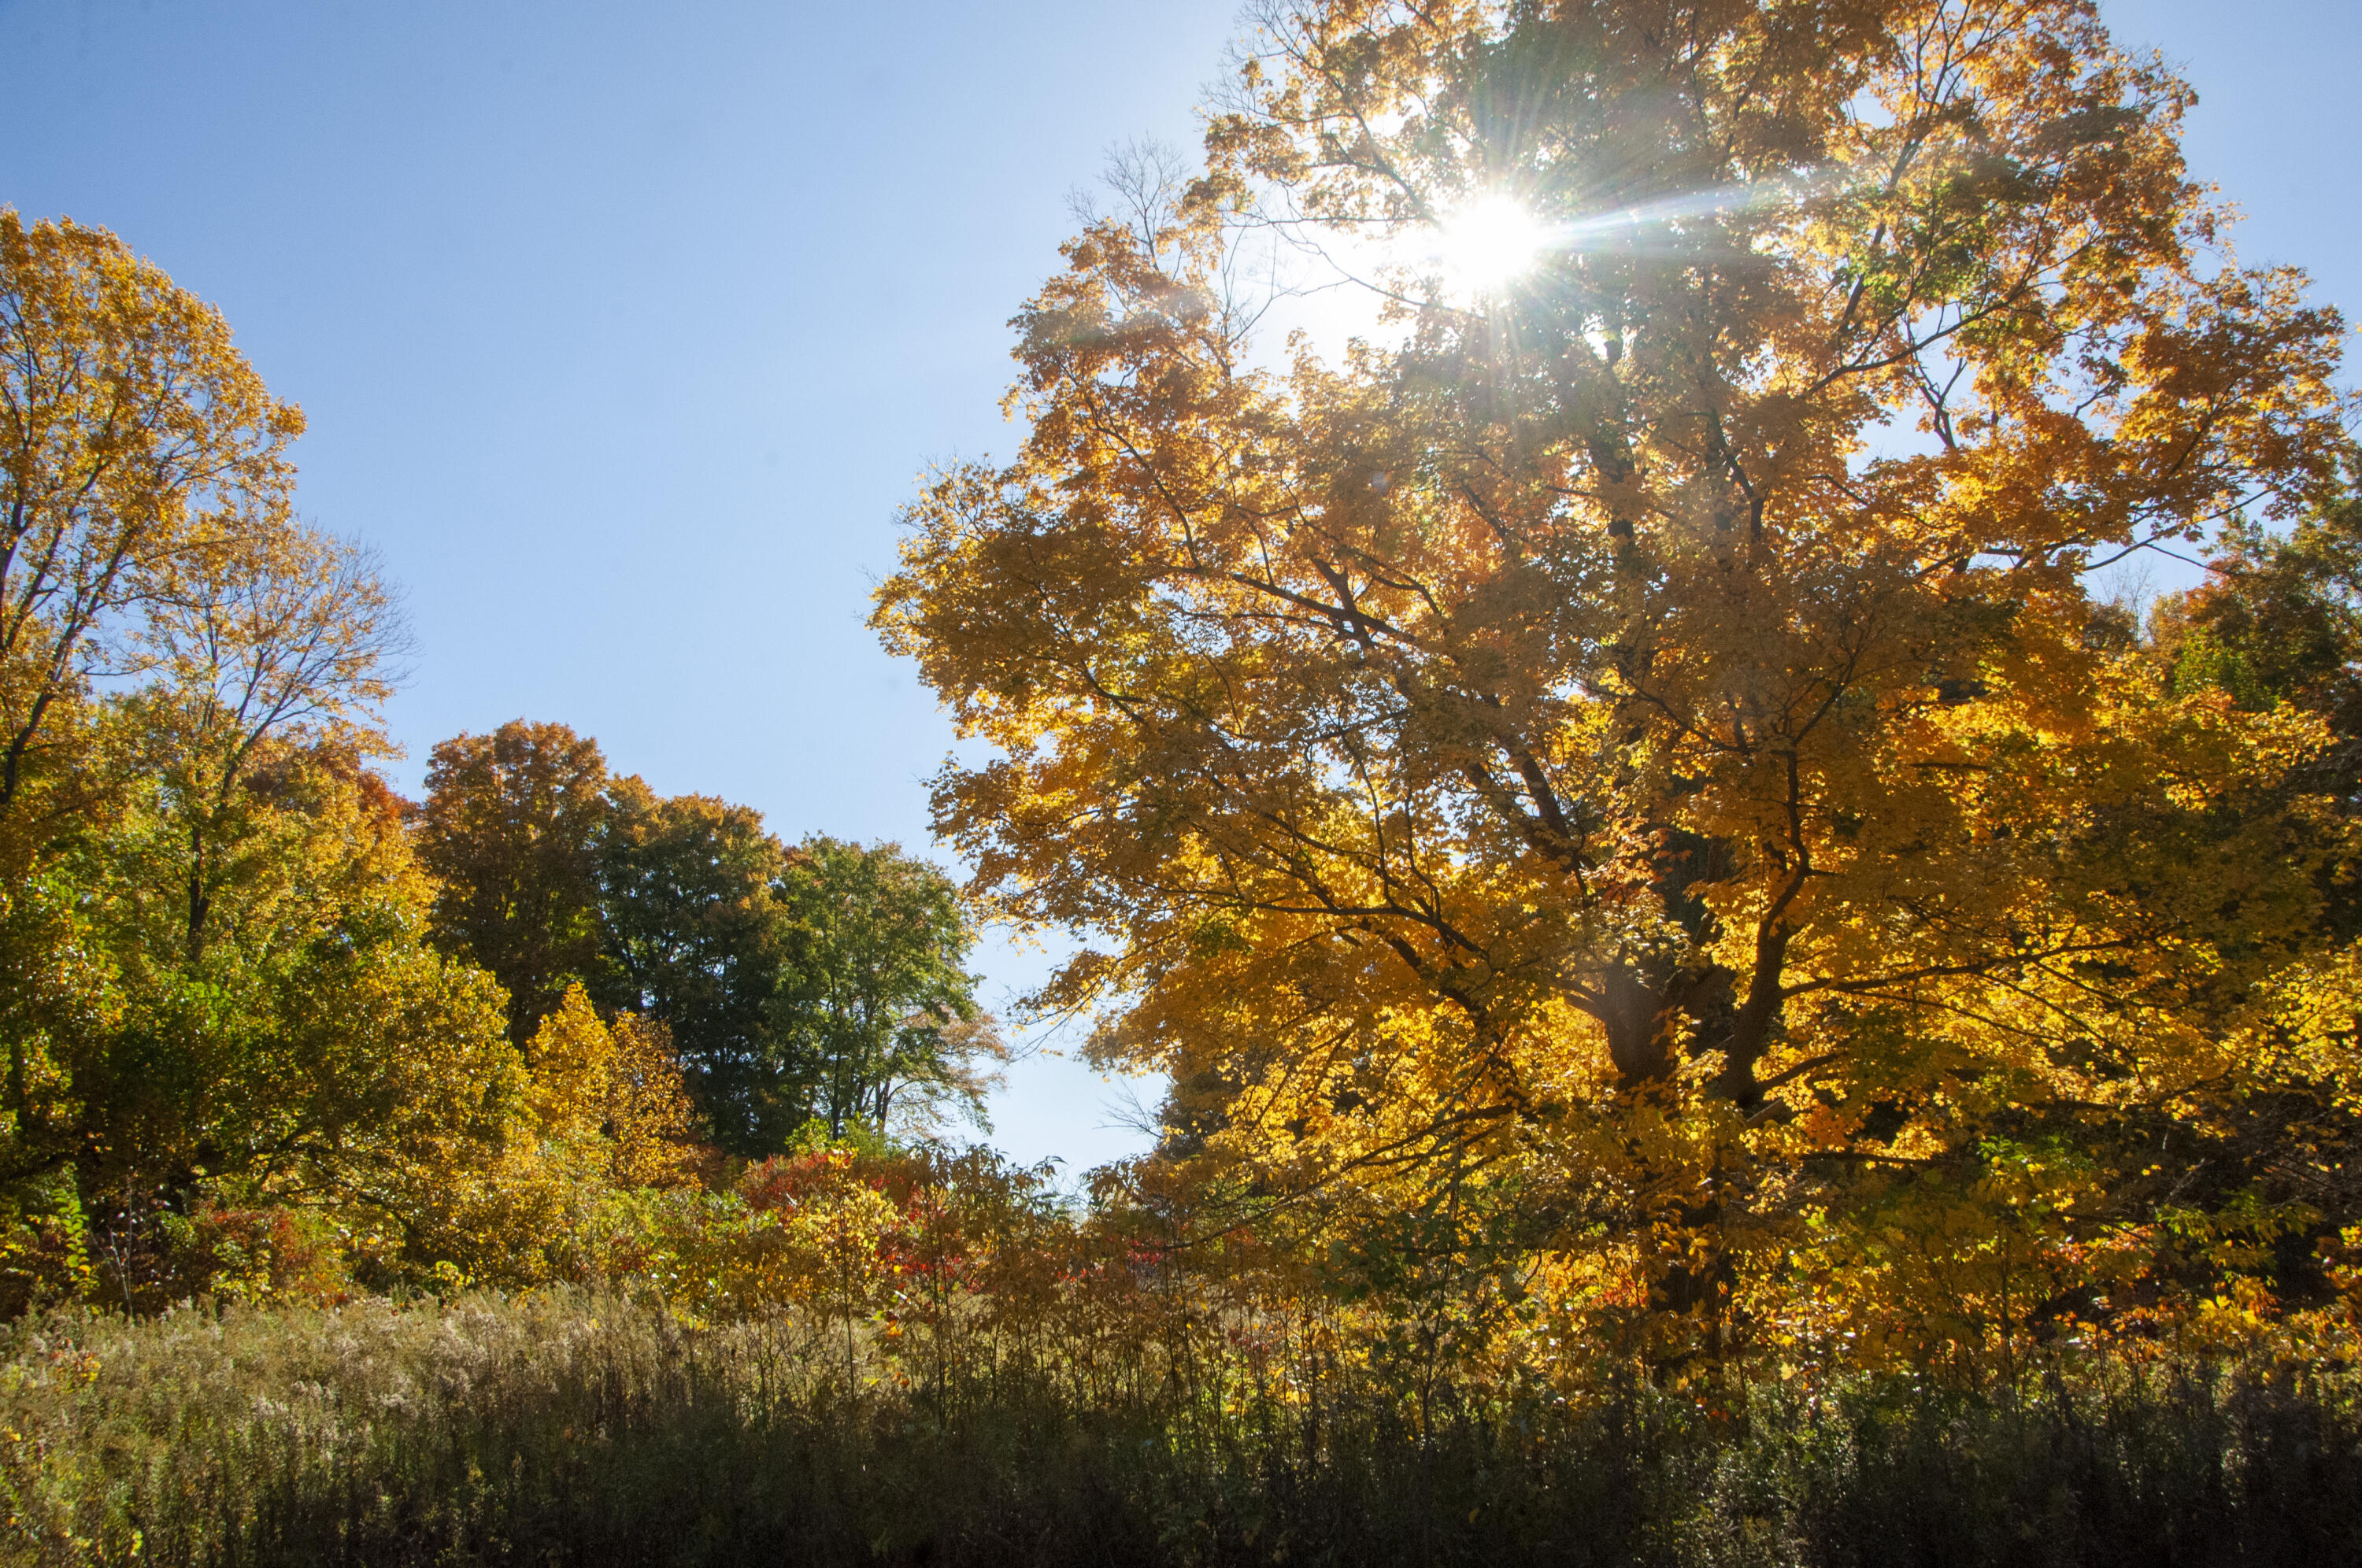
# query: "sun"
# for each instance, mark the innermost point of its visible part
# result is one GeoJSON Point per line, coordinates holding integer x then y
{"type": "Point", "coordinates": [1489, 243]}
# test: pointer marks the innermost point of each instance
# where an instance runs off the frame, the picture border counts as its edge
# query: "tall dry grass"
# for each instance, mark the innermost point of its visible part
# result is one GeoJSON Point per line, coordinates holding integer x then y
{"type": "Point", "coordinates": [575, 1428]}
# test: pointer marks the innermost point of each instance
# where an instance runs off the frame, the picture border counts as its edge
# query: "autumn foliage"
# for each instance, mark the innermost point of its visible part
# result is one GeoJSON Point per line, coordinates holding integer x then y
{"type": "Point", "coordinates": [1617, 791]}
{"type": "Point", "coordinates": [1626, 761]}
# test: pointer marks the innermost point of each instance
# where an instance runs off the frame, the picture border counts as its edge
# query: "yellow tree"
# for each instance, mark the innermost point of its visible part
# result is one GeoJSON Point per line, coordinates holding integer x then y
{"type": "Point", "coordinates": [1631, 729]}
{"type": "Point", "coordinates": [287, 648]}
{"type": "Point", "coordinates": [142, 462]}
{"type": "Point", "coordinates": [601, 1111]}
{"type": "Point", "coordinates": [617, 1087]}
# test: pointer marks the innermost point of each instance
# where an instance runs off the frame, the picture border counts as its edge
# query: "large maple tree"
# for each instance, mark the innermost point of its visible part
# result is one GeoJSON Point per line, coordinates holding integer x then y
{"type": "Point", "coordinates": [1634, 727]}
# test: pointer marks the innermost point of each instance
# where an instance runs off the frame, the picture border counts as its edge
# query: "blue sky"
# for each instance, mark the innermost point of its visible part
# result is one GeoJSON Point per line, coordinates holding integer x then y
{"type": "Point", "coordinates": [624, 330]}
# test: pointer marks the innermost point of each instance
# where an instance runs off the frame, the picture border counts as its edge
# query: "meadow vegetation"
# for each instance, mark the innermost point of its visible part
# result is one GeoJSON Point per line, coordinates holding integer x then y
{"type": "Point", "coordinates": [1114, 1414]}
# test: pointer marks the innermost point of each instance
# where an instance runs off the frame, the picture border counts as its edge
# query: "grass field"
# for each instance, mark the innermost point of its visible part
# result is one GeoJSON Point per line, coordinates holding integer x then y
{"type": "Point", "coordinates": [570, 1428]}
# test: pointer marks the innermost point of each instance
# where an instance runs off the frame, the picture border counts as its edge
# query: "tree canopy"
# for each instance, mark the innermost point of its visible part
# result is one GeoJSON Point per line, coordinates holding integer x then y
{"type": "Point", "coordinates": [691, 885]}
{"type": "Point", "coordinates": [212, 927]}
{"type": "Point", "coordinates": [1630, 742]}
{"type": "Point", "coordinates": [874, 997]}
{"type": "Point", "coordinates": [1621, 798]}
{"type": "Point", "coordinates": [511, 828]}
{"type": "Point", "coordinates": [821, 982]}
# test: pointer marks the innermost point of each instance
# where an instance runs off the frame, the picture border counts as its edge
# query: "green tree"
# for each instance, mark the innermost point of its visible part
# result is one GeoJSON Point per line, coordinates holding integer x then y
{"type": "Point", "coordinates": [2279, 620]}
{"type": "Point", "coordinates": [2278, 624]}
{"type": "Point", "coordinates": [793, 984]}
{"type": "Point", "coordinates": [313, 1052]}
{"type": "Point", "coordinates": [685, 885]}
{"type": "Point", "coordinates": [875, 1008]}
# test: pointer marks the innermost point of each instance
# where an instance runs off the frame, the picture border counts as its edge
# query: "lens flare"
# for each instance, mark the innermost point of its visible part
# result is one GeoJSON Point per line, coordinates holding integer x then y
{"type": "Point", "coordinates": [1489, 243]}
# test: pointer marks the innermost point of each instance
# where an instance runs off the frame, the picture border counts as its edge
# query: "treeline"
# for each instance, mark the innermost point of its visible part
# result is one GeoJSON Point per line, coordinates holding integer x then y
{"type": "Point", "coordinates": [269, 1027]}
{"type": "Point", "coordinates": [815, 984]}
